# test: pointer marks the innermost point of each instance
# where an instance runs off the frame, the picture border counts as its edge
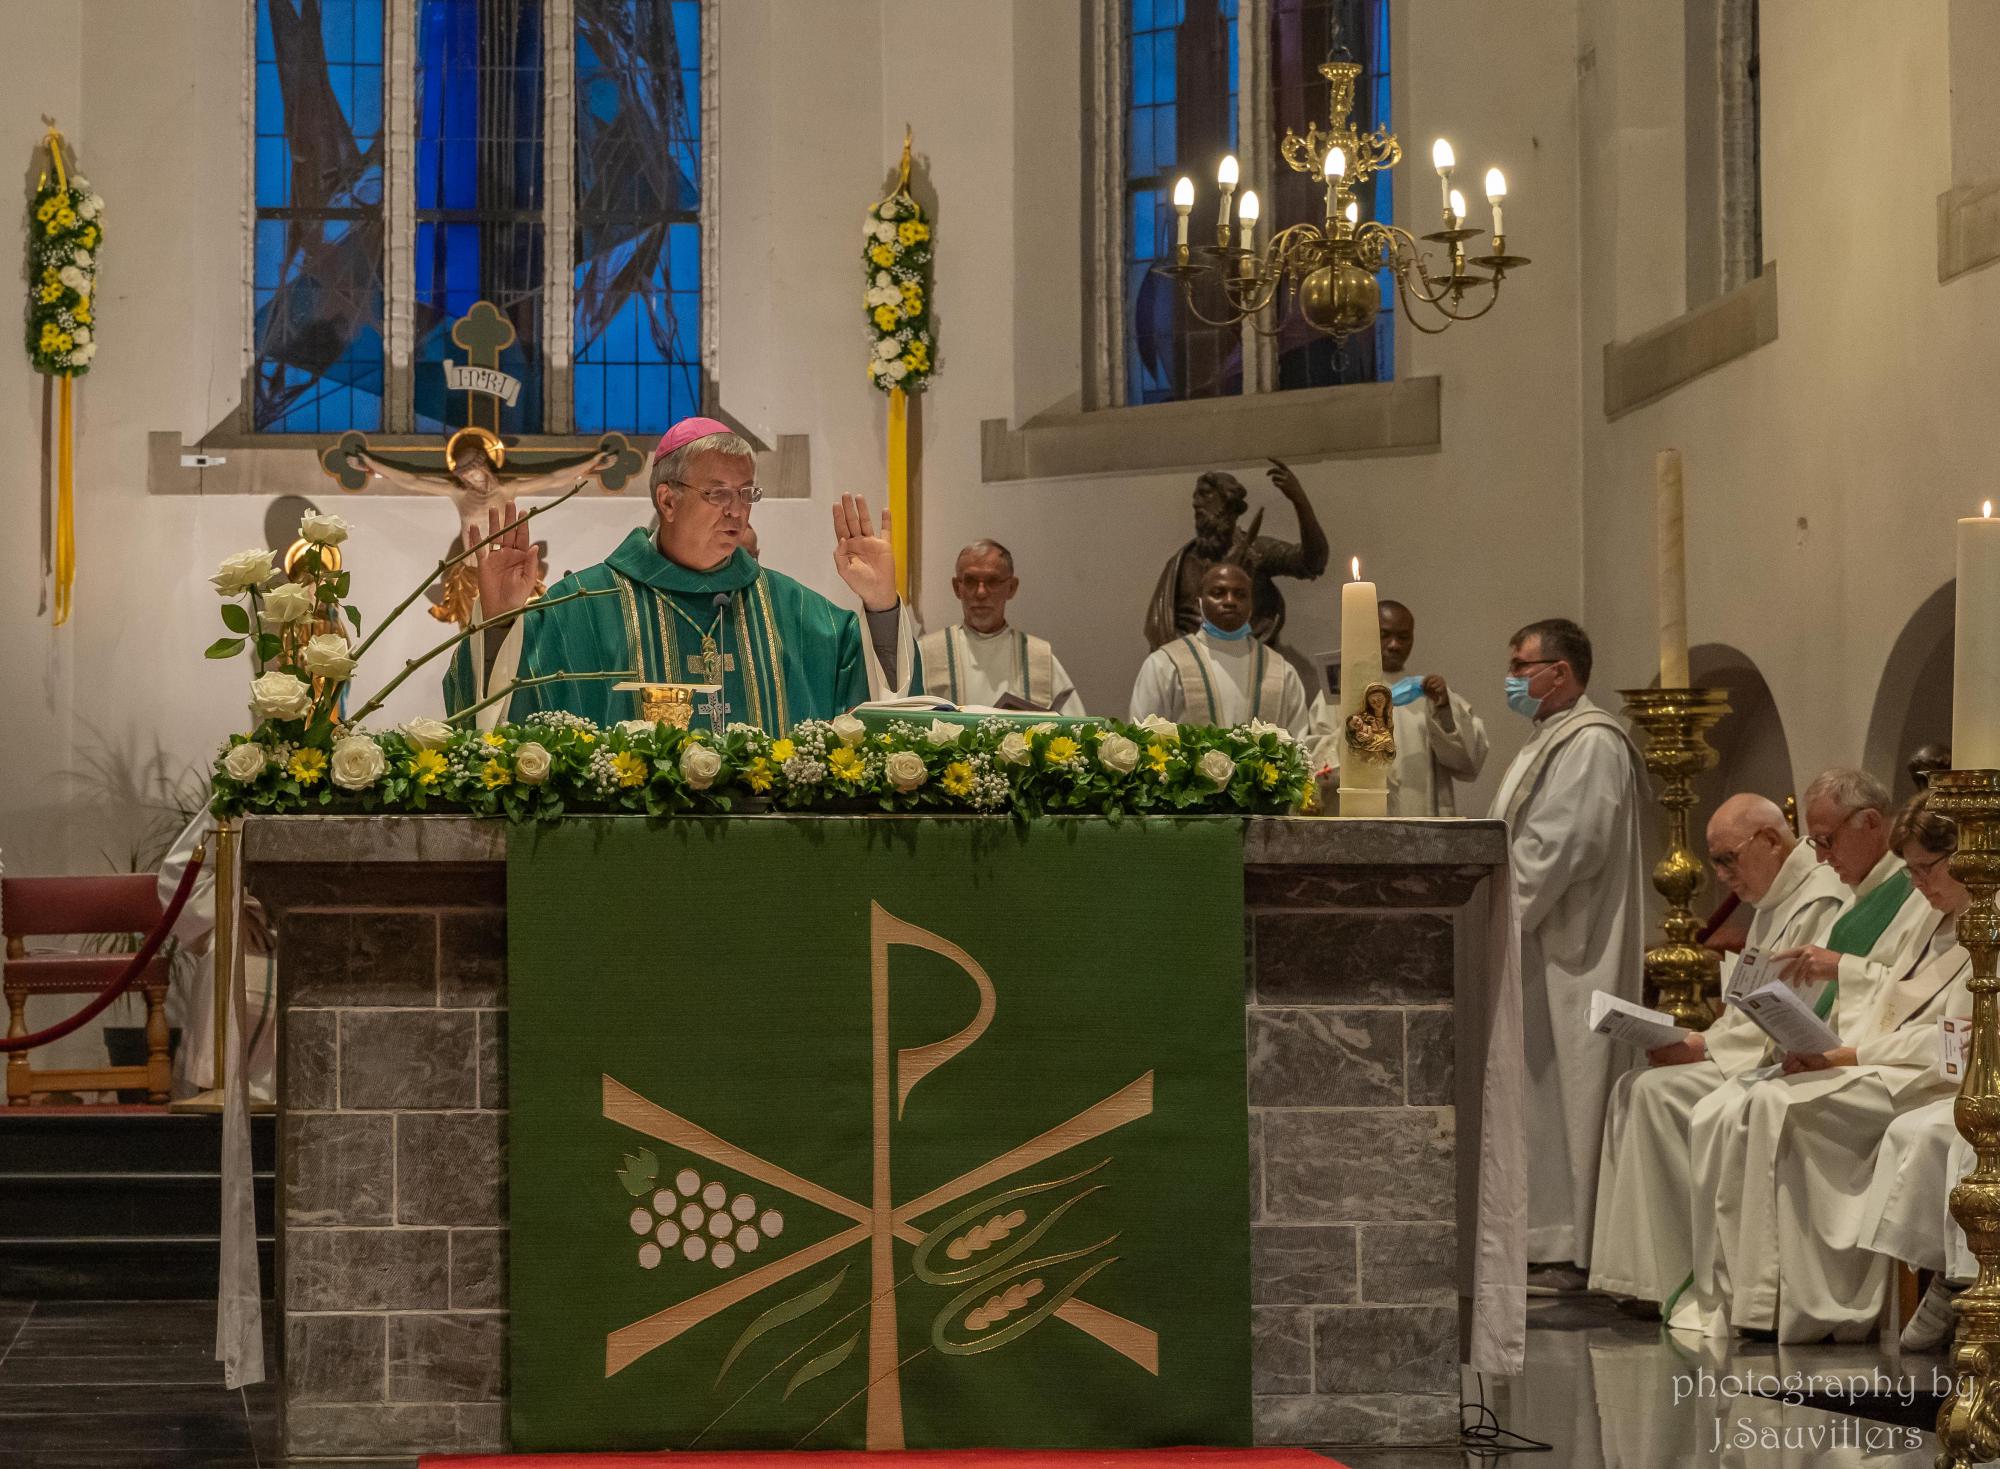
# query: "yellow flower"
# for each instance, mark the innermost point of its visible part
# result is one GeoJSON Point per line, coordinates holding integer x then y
{"type": "Point", "coordinates": [629, 768]}
{"type": "Point", "coordinates": [51, 293]}
{"type": "Point", "coordinates": [885, 317]}
{"type": "Point", "coordinates": [494, 740]}
{"type": "Point", "coordinates": [82, 313]}
{"type": "Point", "coordinates": [1267, 775]}
{"type": "Point", "coordinates": [584, 736]}
{"type": "Point", "coordinates": [48, 210]}
{"type": "Point", "coordinates": [1156, 756]}
{"type": "Point", "coordinates": [913, 301]}
{"type": "Point", "coordinates": [918, 356]}
{"type": "Point", "coordinates": [782, 750]}
{"type": "Point", "coordinates": [307, 766]}
{"type": "Point", "coordinates": [844, 763]}
{"type": "Point", "coordinates": [89, 236]}
{"type": "Point", "coordinates": [1061, 749]}
{"type": "Point", "coordinates": [911, 231]}
{"type": "Point", "coordinates": [957, 779]}
{"type": "Point", "coordinates": [65, 219]}
{"type": "Point", "coordinates": [882, 255]}
{"type": "Point", "coordinates": [428, 767]}
{"type": "Point", "coordinates": [759, 775]}
{"type": "Point", "coordinates": [495, 773]}
{"type": "Point", "coordinates": [50, 275]}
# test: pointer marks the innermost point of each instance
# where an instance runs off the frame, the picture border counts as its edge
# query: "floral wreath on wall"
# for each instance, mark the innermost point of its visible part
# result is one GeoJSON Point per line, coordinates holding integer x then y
{"type": "Point", "coordinates": [896, 265]}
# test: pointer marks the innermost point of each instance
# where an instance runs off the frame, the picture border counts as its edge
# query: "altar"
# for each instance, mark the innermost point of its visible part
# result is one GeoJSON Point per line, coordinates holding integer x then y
{"type": "Point", "coordinates": [1367, 965]}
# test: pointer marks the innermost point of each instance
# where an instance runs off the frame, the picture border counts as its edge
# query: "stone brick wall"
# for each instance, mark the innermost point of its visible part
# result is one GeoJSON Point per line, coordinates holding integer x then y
{"type": "Point", "coordinates": [392, 1140]}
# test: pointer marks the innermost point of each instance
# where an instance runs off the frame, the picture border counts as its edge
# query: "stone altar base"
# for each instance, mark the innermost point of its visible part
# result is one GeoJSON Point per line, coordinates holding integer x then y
{"type": "Point", "coordinates": [1363, 972]}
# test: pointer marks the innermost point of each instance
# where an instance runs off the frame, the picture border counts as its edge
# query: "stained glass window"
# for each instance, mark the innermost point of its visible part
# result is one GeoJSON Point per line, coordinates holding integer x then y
{"type": "Point", "coordinates": [1303, 32]}
{"type": "Point", "coordinates": [638, 213]}
{"type": "Point", "coordinates": [1180, 118]}
{"type": "Point", "coordinates": [317, 270]}
{"type": "Point", "coordinates": [478, 194]}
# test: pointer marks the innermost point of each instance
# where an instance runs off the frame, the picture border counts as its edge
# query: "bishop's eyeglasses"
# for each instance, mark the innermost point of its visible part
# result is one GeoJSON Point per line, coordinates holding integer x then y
{"type": "Point", "coordinates": [723, 496]}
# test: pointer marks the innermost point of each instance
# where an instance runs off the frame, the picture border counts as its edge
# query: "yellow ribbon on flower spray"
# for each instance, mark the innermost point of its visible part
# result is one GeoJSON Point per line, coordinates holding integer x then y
{"type": "Point", "coordinates": [65, 229]}
{"type": "Point", "coordinates": [902, 358]}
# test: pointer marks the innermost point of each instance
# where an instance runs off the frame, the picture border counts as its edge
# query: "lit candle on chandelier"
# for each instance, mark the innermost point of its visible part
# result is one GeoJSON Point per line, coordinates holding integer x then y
{"type": "Point", "coordinates": [1225, 178]}
{"type": "Point", "coordinates": [1442, 160]}
{"type": "Point", "coordinates": [1183, 206]}
{"type": "Point", "coordinates": [1975, 685]}
{"type": "Point", "coordinates": [1334, 169]}
{"type": "Point", "coordinates": [1456, 203]}
{"type": "Point", "coordinates": [1496, 190]}
{"type": "Point", "coordinates": [1247, 213]}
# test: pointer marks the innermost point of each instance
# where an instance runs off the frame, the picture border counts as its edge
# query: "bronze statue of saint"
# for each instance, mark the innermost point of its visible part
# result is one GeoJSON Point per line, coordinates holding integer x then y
{"type": "Point", "coordinates": [473, 459]}
{"type": "Point", "coordinates": [1219, 503]}
{"type": "Point", "coordinates": [1371, 729]}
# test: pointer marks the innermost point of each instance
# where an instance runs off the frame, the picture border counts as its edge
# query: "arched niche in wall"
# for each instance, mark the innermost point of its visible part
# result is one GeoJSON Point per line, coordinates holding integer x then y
{"type": "Point", "coordinates": [1913, 698]}
{"type": "Point", "coordinates": [1749, 739]}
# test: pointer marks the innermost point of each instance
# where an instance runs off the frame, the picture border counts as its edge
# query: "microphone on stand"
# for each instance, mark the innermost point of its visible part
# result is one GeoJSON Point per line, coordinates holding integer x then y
{"type": "Point", "coordinates": [718, 707]}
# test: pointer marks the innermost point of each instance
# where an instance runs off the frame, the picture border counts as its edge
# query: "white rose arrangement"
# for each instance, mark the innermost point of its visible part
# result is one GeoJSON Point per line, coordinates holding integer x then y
{"type": "Point", "coordinates": [1118, 754]}
{"type": "Point", "coordinates": [358, 762]}
{"type": "Point", "coordinates": [1216, 768]}
{"type": "Point", "coordinates": [896, 268]}
{"type": "Point", "coordinates": [905, 770]}
{"type": "Point", "coordinates": [327, 655]}
{"type": "Point", "coordinates": [849, 730]}
{"type": "Point", "coordinates": [280, 696]}
{"type": "Point", "coordinates": [532, 763]}
{"type": "Point", "coordinates": [700, 765]}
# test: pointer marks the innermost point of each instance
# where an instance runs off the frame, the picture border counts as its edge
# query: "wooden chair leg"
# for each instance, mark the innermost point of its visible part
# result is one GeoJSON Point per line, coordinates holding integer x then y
{"type": "Point", "coordinates": [20, 1080]}
{"type": "Point", "coordinates": [159, 1064]}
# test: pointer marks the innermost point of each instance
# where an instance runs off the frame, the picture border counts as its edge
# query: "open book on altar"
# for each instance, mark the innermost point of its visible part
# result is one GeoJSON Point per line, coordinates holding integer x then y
{"type": "Point", "coordinates": [1634, 1024]}
{"type": "Point", "coordinates": [877, 712]}
{"type": "Point", "coordinates": [1777, 1010]}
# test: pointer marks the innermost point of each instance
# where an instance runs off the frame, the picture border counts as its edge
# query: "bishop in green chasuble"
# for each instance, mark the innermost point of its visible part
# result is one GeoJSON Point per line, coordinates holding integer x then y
{"type": "Point", "coordinates": [781, 652]}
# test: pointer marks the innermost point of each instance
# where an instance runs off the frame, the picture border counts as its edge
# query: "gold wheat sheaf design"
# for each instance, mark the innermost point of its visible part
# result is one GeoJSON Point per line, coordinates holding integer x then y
{"type": "Point", "coordinates": [1003, 1305]}
{"type": "Point", "coordinates": [984, 1236]}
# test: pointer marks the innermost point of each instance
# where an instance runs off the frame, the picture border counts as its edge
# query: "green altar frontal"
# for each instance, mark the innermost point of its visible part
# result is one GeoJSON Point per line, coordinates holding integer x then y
{"type": "Point", "coordinates": [840, 1131]}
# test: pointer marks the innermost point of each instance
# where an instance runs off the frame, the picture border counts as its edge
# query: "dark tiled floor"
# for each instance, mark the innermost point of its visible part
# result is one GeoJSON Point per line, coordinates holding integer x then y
{"type": "Point", "coordinates": [124, 1385]}
{"type": "Point", "coordinates": [118, 1385]}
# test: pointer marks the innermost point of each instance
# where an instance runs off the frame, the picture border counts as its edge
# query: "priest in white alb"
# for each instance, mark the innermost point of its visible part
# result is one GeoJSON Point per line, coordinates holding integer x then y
{"type": "Point", "coordinates": [1571, 802]}
{"type": "Point", "coordinates": [983, 660]}
{"type": "Point", "coordinates": [1787, 1156]}
{"type": "Point", "coordinates": [1221, 674]}
{"type": "Point", "coordinates": [1643, 1240]}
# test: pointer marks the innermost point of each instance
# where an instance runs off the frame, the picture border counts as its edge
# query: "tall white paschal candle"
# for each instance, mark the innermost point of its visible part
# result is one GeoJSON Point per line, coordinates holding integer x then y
{"type": "Point", "coordinates": [1975, 692]}
{"type": "Point", "coordinates": [1364, 785]}
{"type": "Point", "coordinates": [1669, 515]}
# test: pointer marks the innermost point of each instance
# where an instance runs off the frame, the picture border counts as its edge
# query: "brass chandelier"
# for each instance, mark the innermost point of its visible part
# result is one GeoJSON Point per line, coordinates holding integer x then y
{"type": "Point", "coordinates": [1331, 268]}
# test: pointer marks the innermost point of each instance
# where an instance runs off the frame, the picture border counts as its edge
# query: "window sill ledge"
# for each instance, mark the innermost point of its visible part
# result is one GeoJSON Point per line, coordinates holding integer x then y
{"type": "Point", "coordinates": [1653, 364]}
{"type": "Point", "coordinates": [1361, 419]}
{"type": "Point", "coordinates": [1968, 228]}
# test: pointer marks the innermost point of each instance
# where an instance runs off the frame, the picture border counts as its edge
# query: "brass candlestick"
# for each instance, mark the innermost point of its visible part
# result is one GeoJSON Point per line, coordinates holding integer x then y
{"type": "Point", "coordinates": [1969, 1422]}
{"type": "Point", "coordinates": [1674, 723]}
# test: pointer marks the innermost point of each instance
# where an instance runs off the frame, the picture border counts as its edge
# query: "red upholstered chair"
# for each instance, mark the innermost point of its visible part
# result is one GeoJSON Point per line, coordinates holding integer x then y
{"type": "Point", "coordinates": [44, 907]}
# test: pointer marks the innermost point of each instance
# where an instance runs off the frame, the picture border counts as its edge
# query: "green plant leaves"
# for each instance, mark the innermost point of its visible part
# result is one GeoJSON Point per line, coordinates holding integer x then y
{"type": "Point", "coordinates": [235, 618]}
{"type": "Point", "coordinates": [223, 648]}
{"type": "Point", "coordinates": [791, 1310]}
{"type": "Point", "coordinates": [824, 1363]}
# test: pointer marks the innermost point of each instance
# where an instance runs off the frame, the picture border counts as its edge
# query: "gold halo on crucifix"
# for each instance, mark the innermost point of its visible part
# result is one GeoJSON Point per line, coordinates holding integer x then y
{"type": "Point", "coordinates": [496, 452]}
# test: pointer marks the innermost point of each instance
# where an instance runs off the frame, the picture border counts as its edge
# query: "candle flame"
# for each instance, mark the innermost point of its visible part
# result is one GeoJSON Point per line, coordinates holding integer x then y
{"type": "Point", "coordinates": [1987, 509]}
{"type": "Point", "coordinates": [1355, 566]}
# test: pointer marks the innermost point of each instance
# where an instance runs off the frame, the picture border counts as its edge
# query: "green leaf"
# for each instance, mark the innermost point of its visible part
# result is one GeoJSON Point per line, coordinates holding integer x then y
{"type": "Point", "coordinates": [803, 1304]}
{"type": "Point", "coordinates": [235, 618]}
{"type": "Point", "coordinates": [824, 1363]}
{"type": "Point", "coordinates": [354, 616]}
{"type": "Point", "coordinates": [269, 646]}
{"type": "Point", "coordinates": [639, 1172]}
{"type": "Point", "coordinates": [224, 648]}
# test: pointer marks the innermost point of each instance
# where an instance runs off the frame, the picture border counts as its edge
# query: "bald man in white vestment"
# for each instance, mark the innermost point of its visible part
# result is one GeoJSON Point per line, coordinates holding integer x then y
{"type": "Point", "coordinates": [982, 659]}
{"type": "Point", "coordinates": [1571, 802]}
{"type": "Point", "coordinates": [1642, 1245]}
{"type": "Point", "coordinates": [1788, 1157]}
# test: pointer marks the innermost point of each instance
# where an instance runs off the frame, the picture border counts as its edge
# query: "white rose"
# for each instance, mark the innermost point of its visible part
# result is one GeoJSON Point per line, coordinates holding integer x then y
{"type": "Point", "coordinates": [287, 604]}
{"type": "Point", "coordinates": [84, 353]}
{"type": "Point", "coordinates": [1014, 748]}
{"type": "Point", "coordinates": [882, 279]}
{"type": "Point", "coordinates": [1258, 729]}
{"type": "Point", "coordinates": [245, 762]}
{"type": "Point", "coordinates": [637, 729]}
{"type": "Point", "coordinates": [531, 763]}
{"type": "Point", "coordinates": [242, 572]}
{"type": "Point", "coordinates": [88, 208]}
{"type": "Point", "coordinates": [322, 530]}
{"type": "Point", "coordinates": [1164, 730]}
{"type": "Point", "coordinates": [898, 370]}
{"type": "Point", "coordinates": [1117, 754]}
{"type": "Point", "coordinates": [1216, 768]}
{"type": "Point", "coordinates": [357, 762]}
{"type": "Point", "coordinates": [81, 336]}
{"type": "Point", "coordinates": [427, 734]}
{"type": "Point", "coordinates": [905, 769]}
{"type": "Point", "coordinates": [280, 696]}
{"type": "Point", "coordinates": [942, 733]}
{"type": "Point", "coordinates": [82, 259]}
{"type": "Point", "coordinates": [75, 279]}
{"type": "Point", "coordinates": [700, 765]}
{"type": "Point", "coordinates": [887, 211]}
{"type": "Point", "coordinates": [1047, 726]}
{"type": "Point", "coordinates": [326, 656]}
{"type": "Point", "coordinates": [849, 730]}
{"type": "Point", "coordinates": [888, 347]}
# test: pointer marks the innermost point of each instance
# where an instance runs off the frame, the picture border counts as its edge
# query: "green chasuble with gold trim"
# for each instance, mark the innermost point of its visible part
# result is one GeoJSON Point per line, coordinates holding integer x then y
{"type": "Point", "coordinates": [787, 653]}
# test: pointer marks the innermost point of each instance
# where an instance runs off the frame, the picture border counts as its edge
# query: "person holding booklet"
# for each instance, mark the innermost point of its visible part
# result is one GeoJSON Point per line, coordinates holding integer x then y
{"type": "Point", "coordinates": [1643, 1233]}
{"type": "Point", "coordinates": [1788, 1154]}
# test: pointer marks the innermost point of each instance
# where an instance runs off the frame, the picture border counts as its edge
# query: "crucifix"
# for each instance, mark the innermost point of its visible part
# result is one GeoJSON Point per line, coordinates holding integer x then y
{"type": "Point", "coordinates": [715, 706]}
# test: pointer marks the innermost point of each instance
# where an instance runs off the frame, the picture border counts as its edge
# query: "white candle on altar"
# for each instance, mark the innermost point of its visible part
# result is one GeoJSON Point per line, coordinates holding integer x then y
{"type": "Point", "coordinates": [1975, 692]}
{"type": "Point", "coordinates": [1364, 785]}
{"type": "Point", "coordinates": [1671, 551]}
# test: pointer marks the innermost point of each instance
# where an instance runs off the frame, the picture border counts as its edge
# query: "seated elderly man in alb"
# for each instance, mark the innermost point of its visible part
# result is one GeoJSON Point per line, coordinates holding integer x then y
{"type": "Point", "coordinates": [689, 605]}
{"type": "Point", "coordinates": [1642, 1240]}
{"type": "Point", "coordinates": [1786, 1156]}
{"type": "Point", "coordinates": [1222, 675]}
{"type": "Point", "coordinates": [982, 661]}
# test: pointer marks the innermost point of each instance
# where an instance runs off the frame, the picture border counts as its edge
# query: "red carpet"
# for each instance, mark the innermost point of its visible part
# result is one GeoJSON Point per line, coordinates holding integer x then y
{"type": "Point", "coordinates": [955, 1459]}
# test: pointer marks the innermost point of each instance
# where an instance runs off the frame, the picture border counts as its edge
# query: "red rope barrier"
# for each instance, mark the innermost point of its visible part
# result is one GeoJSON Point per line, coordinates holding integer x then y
{"type": "Point", "coordinates": [123, 982]}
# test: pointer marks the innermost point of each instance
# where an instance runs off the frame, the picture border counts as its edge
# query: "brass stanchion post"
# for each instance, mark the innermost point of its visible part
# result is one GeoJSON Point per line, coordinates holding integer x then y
{"type": "Point", "coordinates": [224, 950]}
{"type": "Point", "coordinates": [1674, 723]}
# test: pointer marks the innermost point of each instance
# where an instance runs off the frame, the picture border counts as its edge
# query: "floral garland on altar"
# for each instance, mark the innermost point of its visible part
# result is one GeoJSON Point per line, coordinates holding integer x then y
{"type": "Point", "coordinates": [555, 765]}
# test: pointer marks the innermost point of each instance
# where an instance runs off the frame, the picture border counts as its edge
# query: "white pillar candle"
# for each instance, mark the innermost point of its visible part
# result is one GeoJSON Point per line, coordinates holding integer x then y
{"type": "Point", "coordinates": [1975, 692]}
{"type": "Point", "coordinates": [1364, 786]}
{"type": "Point", "coordinates": [1671, 574]}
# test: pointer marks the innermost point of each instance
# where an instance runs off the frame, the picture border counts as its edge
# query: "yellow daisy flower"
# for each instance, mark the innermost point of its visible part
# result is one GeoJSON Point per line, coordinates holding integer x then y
{"type": "Point", "coordinates": [885, 317]}
{"type": "Point", "coordinates": [427, 767]}
{"type": "Point", "coordinates": [882, 255]}
{"type": "Point", "coordinates": [844, 763]}
{"type": "Point", "coordinates": [1156, 756]}
{"type": "Point", "coordinates": [494, 774]}
{"type": "Point", "coordinates": [1061, 749]}
{"type": "Point", "coordinates": [494, 740]}
{"type": "Point", "coordinates": [912, 231]}
{"type": "Point", "coordinates": [759, 775]}
{"type": "Point", "coordinates": [307, 766]}
{"type": "Point", "coordinates": [782, 750]}
{"type": "Point", "coordinates": [957, 779]}
{"type": "Point", "coordinates": [629, 768]}
{"type": "Point", "coordinates": [1267, 775]}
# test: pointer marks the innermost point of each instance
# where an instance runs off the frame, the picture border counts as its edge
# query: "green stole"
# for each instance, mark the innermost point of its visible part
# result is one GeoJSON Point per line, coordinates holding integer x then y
{"type": "Point", "coordinates": [1856, 930]}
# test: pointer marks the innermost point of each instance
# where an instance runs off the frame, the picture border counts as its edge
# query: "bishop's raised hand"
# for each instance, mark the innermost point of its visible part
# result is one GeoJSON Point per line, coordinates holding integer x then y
{"type": "Point", "coordinates": [866, 561]}
{"type": "Point", "coordinates": [505, 559]}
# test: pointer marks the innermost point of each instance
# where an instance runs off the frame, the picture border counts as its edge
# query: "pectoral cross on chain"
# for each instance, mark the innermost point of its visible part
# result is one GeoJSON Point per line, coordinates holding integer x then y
{"type": "Point", "coordinates": [716, 708]}
{"type": "Point", "coordinates": [710, 664]}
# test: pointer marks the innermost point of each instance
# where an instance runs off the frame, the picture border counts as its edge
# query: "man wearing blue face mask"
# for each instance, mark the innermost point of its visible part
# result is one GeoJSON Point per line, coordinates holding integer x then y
{"type": "Point", "coordinates": [1571, 804]}
{"type": "Point", "coordinates": [1221, 674]}
{"type": "Point", "coordinates": [1439, 740]}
